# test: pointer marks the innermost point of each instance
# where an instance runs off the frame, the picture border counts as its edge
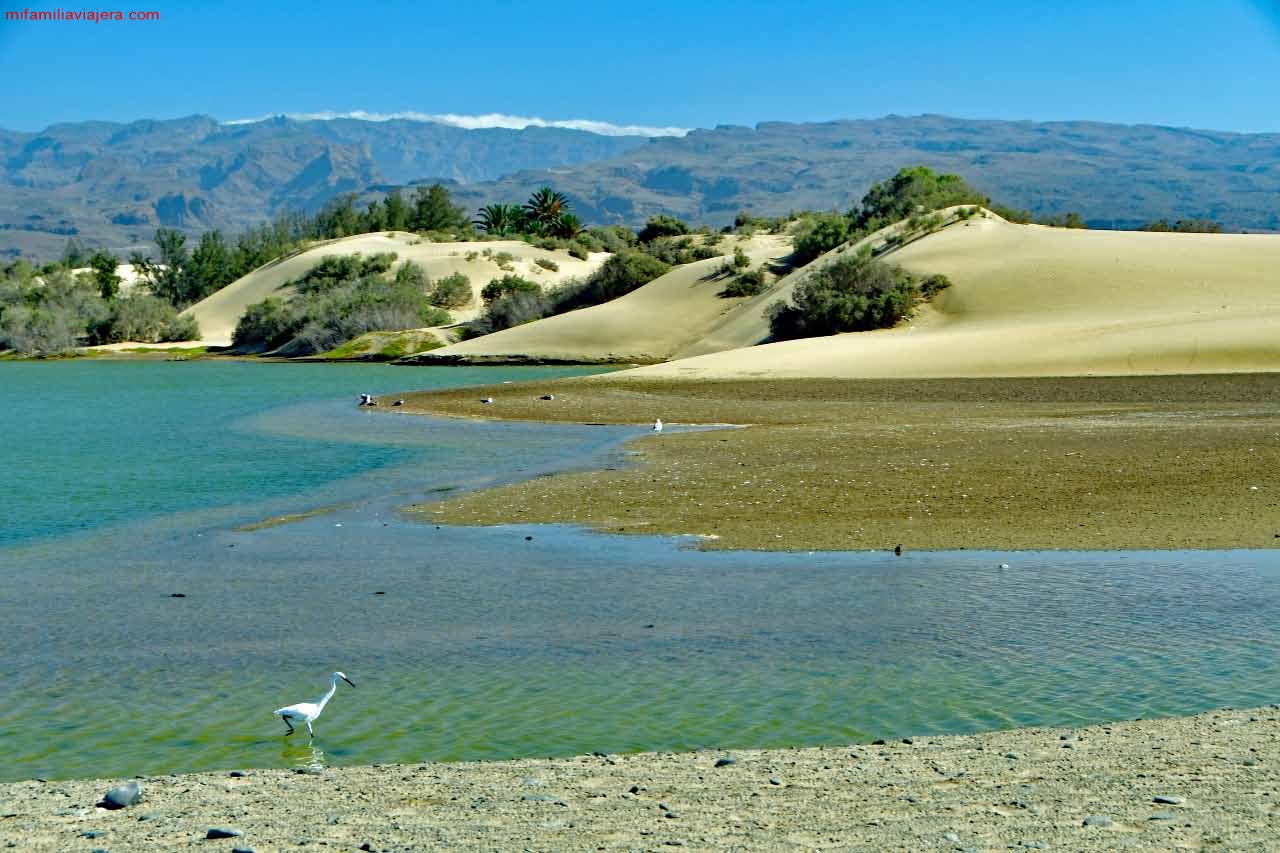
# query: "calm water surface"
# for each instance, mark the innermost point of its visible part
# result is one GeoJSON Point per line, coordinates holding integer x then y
{"type": "Point", "coordinates": [125, 483]}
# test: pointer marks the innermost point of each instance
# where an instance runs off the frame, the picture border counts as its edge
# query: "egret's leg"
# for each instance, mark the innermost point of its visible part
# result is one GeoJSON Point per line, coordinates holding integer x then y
{"type": "Point", "coordinates": [310, 731]}
{"type": "Point", "coordinates": [289, 724]}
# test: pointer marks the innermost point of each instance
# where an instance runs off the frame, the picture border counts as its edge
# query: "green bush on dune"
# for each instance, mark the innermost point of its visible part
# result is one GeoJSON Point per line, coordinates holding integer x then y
{"type": "Point", "coordinates": [853, 294]}
{"type": "Point", "coordinates": [508, 285]}
{"type": "Point", "coordinates": [339, 299]}
{"type": "Point", "coordinates": [452, 291]}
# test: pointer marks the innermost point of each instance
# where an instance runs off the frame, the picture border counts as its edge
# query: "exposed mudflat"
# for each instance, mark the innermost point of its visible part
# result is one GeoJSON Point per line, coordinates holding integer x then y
{"type": "Point", "coordinates": [1095, 463]}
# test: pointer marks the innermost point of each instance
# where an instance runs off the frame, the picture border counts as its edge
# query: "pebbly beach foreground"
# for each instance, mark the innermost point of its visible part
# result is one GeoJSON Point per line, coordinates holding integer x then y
{"type": "Point", "coordinates": [1210, 781]}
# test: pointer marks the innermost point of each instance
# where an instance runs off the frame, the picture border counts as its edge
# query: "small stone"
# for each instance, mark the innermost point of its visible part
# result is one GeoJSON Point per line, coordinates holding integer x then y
{"type": "Point", "coordinates": [908, 741]}
{"type": "Point", "coordinates": [878, 742]}
{"type": "Point", "coordinates": [664, 807]}
{"type": "Point", "coordinates": [1164, 816]}
{"type": "Point", "coordinates": [148, 816]}
{"type": "Point", "coordinates": [1168, 800]}
{"type": "Point", "coordinates": [1035, 845]}
{"type": "Point", "coordinates": [222, 832]}
{"type": "Point", "coordinates": [237, 774]}
{"type": "Point", "coordinates": [177, 595]}
{"type": "Point", "coordinates": [634, 789]}
{"type": "Point", "coordinates": [530, 782]}
{"type": "Point", "coordinates": [951, 836]}
{"type": "Point", "coordinates": [597, 753]}
{"type": "Point", "coordinates": [243, 850]}
{"type": "Point", "coordinates": [367, 847]}
{"type": "Point", "coordinates": [726, 761]}
{"type": "Point", "coordinates": [128, 794]}
{"type": "Point", "coordinates": [91, 833]}
{"type": "Point", "coordinates": [1097, 820]}
{"type": "Point", "coordinates": [1012, 756]}
{"type": "Point", "coordinates": [671, 815]}
{"type": "Point", "coordinates": [774, 780]}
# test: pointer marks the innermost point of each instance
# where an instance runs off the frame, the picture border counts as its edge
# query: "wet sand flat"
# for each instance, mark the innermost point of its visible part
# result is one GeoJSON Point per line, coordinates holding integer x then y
{"type": "Point", "coordinates": [1068, 463]}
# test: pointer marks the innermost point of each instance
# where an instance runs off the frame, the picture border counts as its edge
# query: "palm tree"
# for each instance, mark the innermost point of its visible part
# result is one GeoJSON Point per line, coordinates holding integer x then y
{"type": "Point", "coordinates": [567, 226]}
{"type": "Point", "coordinates": [544, 208]}
{"type": "Point", "coordinates": [501, 219]}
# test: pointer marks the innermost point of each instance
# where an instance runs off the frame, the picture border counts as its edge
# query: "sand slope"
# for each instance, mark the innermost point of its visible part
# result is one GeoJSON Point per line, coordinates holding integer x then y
{"type": "Point", "coordinates": [680, 313]}
{"type": "Point", "coordinates": [218, 313]}
{"type": "Point", "coordinates": [1030, 300]}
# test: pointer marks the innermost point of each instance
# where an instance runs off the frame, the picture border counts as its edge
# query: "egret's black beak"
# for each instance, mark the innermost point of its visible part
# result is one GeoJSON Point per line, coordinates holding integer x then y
{"type": "Point", "coordinates": [349, 681]}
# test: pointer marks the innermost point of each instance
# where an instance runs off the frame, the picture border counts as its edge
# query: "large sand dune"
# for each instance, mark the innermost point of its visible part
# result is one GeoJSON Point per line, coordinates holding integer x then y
{"type": "Point", "coordinates": [219, 313]}
{"type": "Point", "coordinates": [1030, 300]}
{"type": "Point", "coordinates": [680, 313]}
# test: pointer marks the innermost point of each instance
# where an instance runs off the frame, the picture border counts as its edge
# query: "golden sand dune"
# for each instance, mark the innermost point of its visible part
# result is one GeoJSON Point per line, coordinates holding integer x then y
{"type": "Point", "coordinates": [680, 313]}
{"type": "Point", "coordinates": [219, 313]}
{"type": "Point", "coordinates": [1029, 300]}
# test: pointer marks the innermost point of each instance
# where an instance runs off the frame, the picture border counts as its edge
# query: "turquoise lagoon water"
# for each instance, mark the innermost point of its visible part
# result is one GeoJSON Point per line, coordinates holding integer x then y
{"type": "Point", "coordinates": [125, 483]}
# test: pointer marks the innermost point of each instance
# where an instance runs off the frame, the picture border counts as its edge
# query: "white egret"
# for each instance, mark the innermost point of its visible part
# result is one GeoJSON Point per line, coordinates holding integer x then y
{"type": "Point", "coordinates": [657, 425]}
{"type": "Point", "coordinates": [306, 712]}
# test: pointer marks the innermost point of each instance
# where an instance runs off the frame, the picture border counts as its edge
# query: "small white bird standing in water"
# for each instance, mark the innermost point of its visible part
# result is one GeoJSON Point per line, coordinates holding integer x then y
{"type": "Point", "coordinates": [306, 712]}
{"type": "Point", "coordinates": [657, 425]}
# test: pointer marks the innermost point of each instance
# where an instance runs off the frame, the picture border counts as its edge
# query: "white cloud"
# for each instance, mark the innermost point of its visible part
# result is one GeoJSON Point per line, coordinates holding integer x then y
{"type": "Point", "coordinates": [487, 120]}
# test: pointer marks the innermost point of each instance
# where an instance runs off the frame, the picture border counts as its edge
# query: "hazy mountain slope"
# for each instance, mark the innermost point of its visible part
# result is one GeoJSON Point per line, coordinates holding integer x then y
{"type": "Point", "coordinates": [1115, 175]}
{"type": "Point", "coordinates": [113, 184]}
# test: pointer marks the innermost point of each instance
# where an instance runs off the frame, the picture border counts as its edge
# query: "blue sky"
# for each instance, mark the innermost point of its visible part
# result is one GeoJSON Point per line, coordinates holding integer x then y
{"type": "Point", "coordinates": [654, 63]}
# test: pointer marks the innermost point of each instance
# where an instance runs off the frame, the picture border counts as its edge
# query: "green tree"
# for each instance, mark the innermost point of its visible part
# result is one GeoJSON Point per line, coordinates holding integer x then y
{"type": "Point", "coordinates": [74, 254]}
{"type": "Point", "coordinates": [434, 210]}
{"type": "Point", "coordinates": [104, 273]}
{"type": "Point", "coordinates": [452, 291]}
{"type": "Point", "coordinates": [568, 226]}
{"type": "Point", "coordinates": [168, 279]}
{"type": "Point", "coordinates": [662, 226]}
{"type": "Point", "coordinates": [398, 213]}
{"type": "Point", "coordinates": [507, 285]}
{"type": "Point", "coordinates": [210, 268]}
{"type": "Point", "coordinates": [544, 209]}
{"type": "Point", "coordinates": [852, 294]}
{"type": "Point", "coordinates": [501, 219]}
{"type": "Point", "coordinates": [916, 189]}
{"type": "Point", "coordinates": [265, 325]}
{"type": "Point", "coordinates": [818, 235]}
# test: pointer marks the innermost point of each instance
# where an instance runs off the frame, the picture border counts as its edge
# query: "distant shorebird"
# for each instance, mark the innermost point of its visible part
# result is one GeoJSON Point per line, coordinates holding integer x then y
{"type": "Point", "coordinates": [306, 712]}
{"type": "Point", "coordinates": [657, 425]}
{"type": "Point", "coordinates": [486, 400]}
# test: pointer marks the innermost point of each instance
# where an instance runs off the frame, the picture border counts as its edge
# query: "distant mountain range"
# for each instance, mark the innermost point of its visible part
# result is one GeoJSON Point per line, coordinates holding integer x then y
{"type": "Point", "coordinates": [113, 184]}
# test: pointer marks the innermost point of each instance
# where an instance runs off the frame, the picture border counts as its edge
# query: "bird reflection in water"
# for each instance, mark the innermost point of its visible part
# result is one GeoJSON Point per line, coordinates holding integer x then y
{"type": "Point", "coordinates": [302, 756]}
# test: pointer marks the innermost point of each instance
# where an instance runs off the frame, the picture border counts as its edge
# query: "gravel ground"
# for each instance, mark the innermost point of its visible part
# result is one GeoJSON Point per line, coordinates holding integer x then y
{"type": "Point", "coordinates": [1205, 782]}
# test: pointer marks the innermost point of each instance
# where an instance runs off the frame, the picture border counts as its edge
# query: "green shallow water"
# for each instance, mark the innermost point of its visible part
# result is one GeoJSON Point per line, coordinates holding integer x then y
{"type": "Point", "coordinates": [485, 644]}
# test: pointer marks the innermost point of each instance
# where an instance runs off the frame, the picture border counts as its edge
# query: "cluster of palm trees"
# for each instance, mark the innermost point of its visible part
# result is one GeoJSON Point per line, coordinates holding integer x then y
{"type": "Point", "coordinates": [547, 213]}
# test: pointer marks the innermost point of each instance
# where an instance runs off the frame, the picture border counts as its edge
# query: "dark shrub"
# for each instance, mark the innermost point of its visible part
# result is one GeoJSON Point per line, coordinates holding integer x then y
{"type": "Point", "coordinates": [818, 235]}
{"type": "Point", "coordinates": [506, 285]}
{"type": "Point", "coordinates": [750, 283]}
{"type": "Point", "coordinates": [662, 226]}
{"type": "Point", "coordinates": [852, 294]}
{"type": "Point", "coordinates": [452, 291]}
{"type": "Point", "coordinates": [265, 325]}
